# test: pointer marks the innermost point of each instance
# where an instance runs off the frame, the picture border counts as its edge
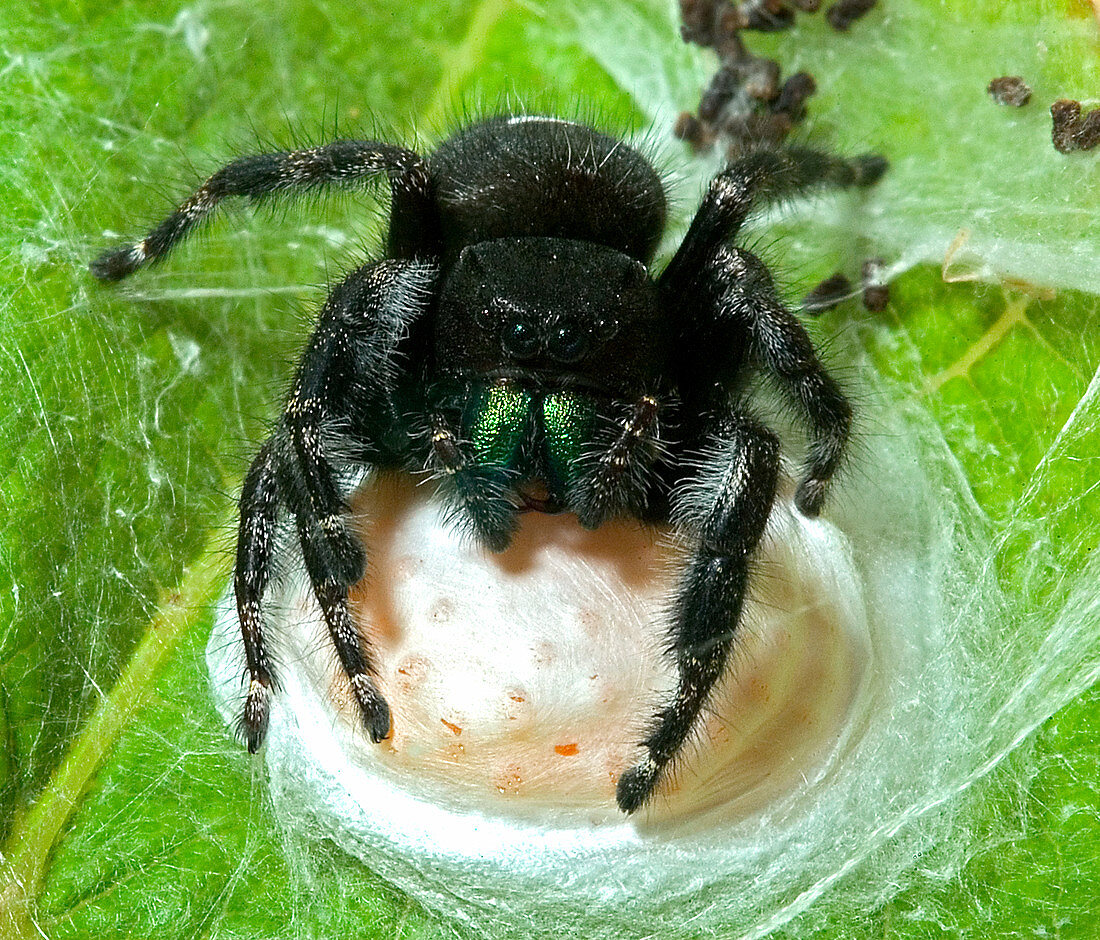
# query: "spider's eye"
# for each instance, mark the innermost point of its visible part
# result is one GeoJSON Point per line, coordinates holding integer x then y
{"type": "Point", "coordinates": [605, 328]}
{"type": "Point", "coordinates": [567, 343]}
{"type": "Point", "coordinates": [520, 340]}
{"type": "Point", "coordinates": [485, 318]}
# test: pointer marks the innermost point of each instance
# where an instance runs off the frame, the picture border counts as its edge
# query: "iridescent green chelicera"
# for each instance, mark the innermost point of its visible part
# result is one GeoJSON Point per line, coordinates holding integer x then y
{"type": "Point", "coordinates": [567, 419]}
{"type": "Point", "coordinates": [502, 416]}
{"type": "Point", "coordinates": [498, 422]}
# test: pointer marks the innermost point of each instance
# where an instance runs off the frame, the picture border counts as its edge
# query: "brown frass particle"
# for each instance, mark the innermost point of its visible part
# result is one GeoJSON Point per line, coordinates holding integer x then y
{"type": "Point", "coordinates": [692, 131]}
{"type": "Point", "coordinates": [843, 14]}
{"type": "Point", "coordinates": [698, 21]}
{"type": "Point", "coordinates": [1071, 132]}
{"type": "Point", "coordinates": [749, 102]}
{"type": "Point", "coordinates": [766, 16]}
{"type": "Point", "coordinates": [1011, 90]}
{"type": "Point", "coordinates": [876, 292]}
{"type": "Point", "coordinates": [791, 99]}
{"type": "Point", "coordinates": [828, 294]}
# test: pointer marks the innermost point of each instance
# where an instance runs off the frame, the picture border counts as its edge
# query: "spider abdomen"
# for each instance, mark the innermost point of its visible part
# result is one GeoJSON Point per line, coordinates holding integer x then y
{"type": "Point", "coordinates": [531, 175]}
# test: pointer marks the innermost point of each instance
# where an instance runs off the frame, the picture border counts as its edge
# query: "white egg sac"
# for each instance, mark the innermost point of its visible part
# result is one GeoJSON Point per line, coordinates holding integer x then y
{"type": "Point", "coordinates": [520, 685]}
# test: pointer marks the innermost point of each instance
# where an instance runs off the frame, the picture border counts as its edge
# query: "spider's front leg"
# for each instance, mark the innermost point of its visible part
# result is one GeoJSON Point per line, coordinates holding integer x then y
{"type": "Point", "coordinates": [743, 302]}
{"type": "Point", "coordinates": [726, 506]}
{"type": "Point", "coordinates": [746, 295]}
{"type": "Point", "coordinates": [345, 373]}
{"type": "Point", "coordinates": [757, 178]}
{"type": "Point", "coordinates": [263, 176]}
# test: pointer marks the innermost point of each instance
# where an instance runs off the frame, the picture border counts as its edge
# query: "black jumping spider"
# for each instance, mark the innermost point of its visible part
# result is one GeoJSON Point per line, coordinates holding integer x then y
{"type": "Point", "coordinates": [517, 344]}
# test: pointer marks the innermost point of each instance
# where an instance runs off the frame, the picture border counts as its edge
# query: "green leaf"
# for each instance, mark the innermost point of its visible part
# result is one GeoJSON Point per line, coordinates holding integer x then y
{"type": "Point", "coordinates": [129, 415]}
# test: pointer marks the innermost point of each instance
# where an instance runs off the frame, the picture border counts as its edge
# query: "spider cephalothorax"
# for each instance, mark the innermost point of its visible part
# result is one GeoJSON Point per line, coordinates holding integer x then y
{"type": "Point", "coordinates": [517, 342]}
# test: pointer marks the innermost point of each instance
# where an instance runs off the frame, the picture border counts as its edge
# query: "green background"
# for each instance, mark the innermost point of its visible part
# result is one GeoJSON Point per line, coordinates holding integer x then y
{"type": "Point", "coordinates": [129, 414]}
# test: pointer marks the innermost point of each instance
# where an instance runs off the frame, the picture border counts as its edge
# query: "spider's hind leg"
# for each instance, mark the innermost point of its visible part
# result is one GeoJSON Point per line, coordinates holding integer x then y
{"type": "Point", "coordinates": [256, 540]}
{"type": "Point", "coordinates": [726, 505]}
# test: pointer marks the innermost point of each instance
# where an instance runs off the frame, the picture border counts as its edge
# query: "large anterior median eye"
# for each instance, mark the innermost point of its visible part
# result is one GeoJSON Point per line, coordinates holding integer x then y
{"type": "Point", "coordinates": [520, 339]}
{"type": "Point", "coordinates": [568, 342]}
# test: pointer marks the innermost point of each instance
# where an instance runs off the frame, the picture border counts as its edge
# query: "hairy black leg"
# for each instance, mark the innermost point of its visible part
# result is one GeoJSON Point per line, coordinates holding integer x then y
{"type": "Point", "coordinates": [323, 560]}
{"type": "Point", "coordinates": [760, 176]}
{"type": "Point", "coordinates": [255, 551]}
{"type": "Point", "coordinates": [347, 367]}
{"type": "Point", "coordinates": [727, 504]}
{"type": "Point", "coordinates": [294, 172]}
{"type": "Point", "coordinates": [478, 492]}
{"type": "Point", "coordinates": [747, 294]}
{"type": "Point", "coordinates": [615, 476]}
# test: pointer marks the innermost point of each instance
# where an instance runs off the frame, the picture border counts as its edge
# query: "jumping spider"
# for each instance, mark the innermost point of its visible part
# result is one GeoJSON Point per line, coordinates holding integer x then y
{"type": "Point", "coordinates": [517, 342]}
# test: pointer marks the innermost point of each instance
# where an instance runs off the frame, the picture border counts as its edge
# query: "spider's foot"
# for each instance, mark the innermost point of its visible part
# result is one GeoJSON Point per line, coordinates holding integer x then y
{"type": "Point", "coordinates": [594, 510]}
{"type": "Point", "coordinates": [118, 263]}
{"type": "Point", "coordinates": [491, 522]}
{"type": "Point", "coordinates": [591, 517]}
{"type": "Point", "coordinates": [636, 785]}
{"type": "Point", "coordinates": [347, 560]}
{"type": "Point", "coordinates": [592, 507]}
{"type": "Point", "coordinates": [498, 536]}
{"type": "Point", "coordinates": [599, 501]}
{"type": "Point", "coordinates": [376, 713]}
{"type": "Point", "coordinates": [869, 168]}
{"type": "Point", "coordinates": [810, 496]}
{"type": "Point", "coordinates": [254, 718]}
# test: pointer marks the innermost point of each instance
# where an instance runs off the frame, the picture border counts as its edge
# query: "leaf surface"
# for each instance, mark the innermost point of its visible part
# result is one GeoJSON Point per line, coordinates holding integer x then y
{"type": "Point", "coordinates": [129, 414]}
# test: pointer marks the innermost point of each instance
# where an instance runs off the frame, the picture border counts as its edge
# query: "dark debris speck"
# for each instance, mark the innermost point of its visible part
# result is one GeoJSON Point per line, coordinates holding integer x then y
{"type": "Point", "coordinates": [1070, 131]}
{"type": "Point", "coordinates": [1011, 90]}
{"type": "Point", "coordinates": [876, 292]}
{"type": "Point", "coordinates": [842, 15]}
{"type": "Point", "coordinates": [829, 293]}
